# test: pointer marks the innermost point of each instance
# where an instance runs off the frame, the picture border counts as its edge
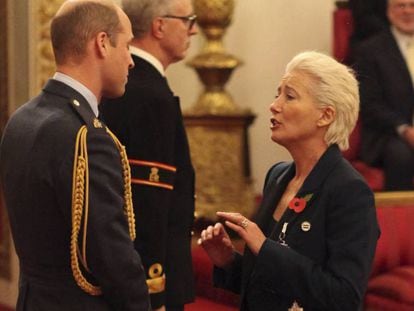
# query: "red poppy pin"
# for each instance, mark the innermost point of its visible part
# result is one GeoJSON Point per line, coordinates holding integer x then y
{"type": "Point", "coordinates": [299, 204]}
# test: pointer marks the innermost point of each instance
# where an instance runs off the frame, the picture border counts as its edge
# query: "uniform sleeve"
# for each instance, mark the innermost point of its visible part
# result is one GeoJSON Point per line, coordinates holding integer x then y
{"type": "Point", "coordinates": [111, 256]}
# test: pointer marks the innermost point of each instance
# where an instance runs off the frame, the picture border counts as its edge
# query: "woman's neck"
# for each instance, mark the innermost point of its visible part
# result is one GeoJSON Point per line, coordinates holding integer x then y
{"type": "Point", "coordinates": [306, 159]}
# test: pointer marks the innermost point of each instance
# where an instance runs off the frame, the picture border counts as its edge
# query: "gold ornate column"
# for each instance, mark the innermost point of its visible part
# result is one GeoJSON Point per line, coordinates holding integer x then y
{"type": "Point", "coordinates": [42, 64]}
{"type": "Point", "coordinates": [217, 128]}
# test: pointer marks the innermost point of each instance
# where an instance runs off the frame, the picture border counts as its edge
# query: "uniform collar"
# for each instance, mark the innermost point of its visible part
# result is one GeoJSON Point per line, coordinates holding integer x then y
{"type": "Point", "coordinates": [79, 87]}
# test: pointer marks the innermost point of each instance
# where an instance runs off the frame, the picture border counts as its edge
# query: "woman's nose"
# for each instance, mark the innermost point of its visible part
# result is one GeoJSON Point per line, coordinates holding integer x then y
{"type": "Point", "coordinates": [275, 106]}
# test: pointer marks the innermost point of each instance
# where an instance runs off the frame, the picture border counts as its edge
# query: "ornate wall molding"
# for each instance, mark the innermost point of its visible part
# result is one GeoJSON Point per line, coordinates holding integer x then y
{"type": "Point", "coordinates": [42, 65]}
{"type": "Point", "coordinates": [220, 154]}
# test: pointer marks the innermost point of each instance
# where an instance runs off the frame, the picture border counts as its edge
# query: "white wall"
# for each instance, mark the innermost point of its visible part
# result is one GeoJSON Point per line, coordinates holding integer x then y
{"type": "Point", "coordinates": [265, 34]}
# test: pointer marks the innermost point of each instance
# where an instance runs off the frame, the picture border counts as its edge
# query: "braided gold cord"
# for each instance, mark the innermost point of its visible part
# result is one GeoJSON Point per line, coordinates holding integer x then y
{"type": "Point", "coordinates": [80, 206]}
{"type": "Point", "coordinates": [86, 201]}
{"type": "Point", "coordinates": [128, 208]}
{"type": "Point", "coordinates": [80, 168]}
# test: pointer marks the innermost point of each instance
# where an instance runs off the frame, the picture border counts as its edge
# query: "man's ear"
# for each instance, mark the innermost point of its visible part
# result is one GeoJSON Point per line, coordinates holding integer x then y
{"type": "Point", "coordinates": [157, 27]}
{"type": "Point", "coordinates": [327, 116]}
{"type": "Point", "coordinates": [102, 44]}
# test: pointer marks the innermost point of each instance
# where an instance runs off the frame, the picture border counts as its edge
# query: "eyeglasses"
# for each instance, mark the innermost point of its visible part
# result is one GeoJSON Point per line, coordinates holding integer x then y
{"type": "Point", "coordinates": [403, 6]}
{"type": "Point", "coordinates": [191, 19]}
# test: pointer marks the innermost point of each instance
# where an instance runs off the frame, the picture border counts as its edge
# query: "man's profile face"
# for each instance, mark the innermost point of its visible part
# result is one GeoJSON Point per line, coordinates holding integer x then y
{"type": "Point", "coordinates": [119, 61]}
{"type": "Point", "coordinates": [401, 15]}
{"type": "Point", "coordinates": [178, 31]}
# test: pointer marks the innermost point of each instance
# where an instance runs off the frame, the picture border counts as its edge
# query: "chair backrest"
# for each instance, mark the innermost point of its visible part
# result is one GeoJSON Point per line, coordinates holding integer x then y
{"type": "Point", "coordinates": [396, 244]}
{"type": "Point", "coordinates": [203, 273]}
{"type": "Point", "coordinates": [342, 30]}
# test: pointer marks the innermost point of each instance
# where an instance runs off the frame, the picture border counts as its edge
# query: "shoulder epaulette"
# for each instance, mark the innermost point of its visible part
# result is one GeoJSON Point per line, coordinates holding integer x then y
{"type": "Point", "coordinates": [86, 115]}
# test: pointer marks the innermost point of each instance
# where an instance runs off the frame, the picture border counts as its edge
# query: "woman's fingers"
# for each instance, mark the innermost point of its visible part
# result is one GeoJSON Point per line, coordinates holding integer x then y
{"type": "Point", "coordinates": [212, 232]}
{"type": "Point", "coordinates": [218, 228]}
{"type": "Point", "coordinates": [235, 221]}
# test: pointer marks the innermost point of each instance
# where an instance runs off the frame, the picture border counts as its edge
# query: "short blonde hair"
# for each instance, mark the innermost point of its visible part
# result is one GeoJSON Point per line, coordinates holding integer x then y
{"type": "Point", "coordinates": [333, 84]}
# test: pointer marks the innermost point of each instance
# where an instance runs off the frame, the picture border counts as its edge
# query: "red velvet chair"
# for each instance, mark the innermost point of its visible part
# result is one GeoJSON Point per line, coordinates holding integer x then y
{"type": "Point", "coordinates": [391, 285]}
{"type": "Point", "coordinates": [3, 308]}
{"type": "Point", "coordinates": [373, 176]}
{"type": "Point", "coordinates": [208, 297]}
{"type": "Point", "coordinates": [342, 30]}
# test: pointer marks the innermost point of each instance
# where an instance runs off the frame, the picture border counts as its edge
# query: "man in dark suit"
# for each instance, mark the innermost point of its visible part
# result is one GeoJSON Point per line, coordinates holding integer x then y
{"type": "Point", "coordinates": [369, 17]}
{"type": "Point", "coordinates": [148, 121]}
{"type": "Point", "coordinates": [62, 174]}
{"type": "Point", "coordinates": [387, 97]}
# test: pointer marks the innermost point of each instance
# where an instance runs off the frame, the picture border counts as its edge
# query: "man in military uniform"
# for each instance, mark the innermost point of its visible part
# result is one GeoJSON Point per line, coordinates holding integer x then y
{"type": "Point", "coordinates": [63, 178]}
{"type": "Point", "coordinates": [148, 121]}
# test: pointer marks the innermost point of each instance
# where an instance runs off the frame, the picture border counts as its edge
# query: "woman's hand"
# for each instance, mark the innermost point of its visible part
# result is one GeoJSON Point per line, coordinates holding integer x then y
{"type": "Point", "coordinates": [246, 229]}
{"type": "Point", "coordinates": [218, 245]}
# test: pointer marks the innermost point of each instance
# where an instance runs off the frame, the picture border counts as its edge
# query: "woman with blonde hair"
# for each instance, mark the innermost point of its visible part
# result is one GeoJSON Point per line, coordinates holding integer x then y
{"type": "Point", "coordinates": [313, 239]}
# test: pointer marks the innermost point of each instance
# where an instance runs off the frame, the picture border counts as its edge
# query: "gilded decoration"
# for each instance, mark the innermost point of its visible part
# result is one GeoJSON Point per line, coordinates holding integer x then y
{"type": "Point", "coordinates": [213, 64]}
{"type": "Point", "coordinates": [229, 192]}
{"type": "Point", "coordinates": [219, 150]}
{"type": "Point", "coordinates": [43, 64]}
{"type": "Point", "coordinates": [216, 126]}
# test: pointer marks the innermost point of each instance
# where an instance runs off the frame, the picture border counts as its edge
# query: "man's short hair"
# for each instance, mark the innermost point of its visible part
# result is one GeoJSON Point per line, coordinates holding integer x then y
{"type": "Point", "coordinates": [142, 13]}
{"type": "Point", "coordinates": [72, 30]}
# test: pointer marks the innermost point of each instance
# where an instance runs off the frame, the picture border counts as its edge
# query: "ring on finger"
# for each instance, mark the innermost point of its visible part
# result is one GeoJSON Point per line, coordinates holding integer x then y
{"type": "Point", "coordinates": [244, 223]}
